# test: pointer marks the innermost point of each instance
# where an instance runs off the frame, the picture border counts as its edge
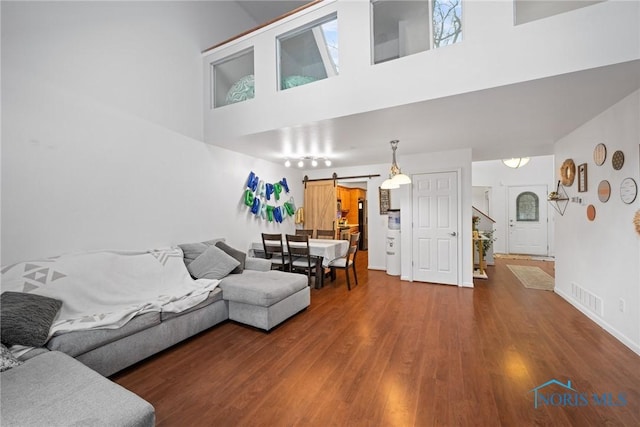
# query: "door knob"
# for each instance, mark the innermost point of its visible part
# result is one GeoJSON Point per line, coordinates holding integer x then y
{"type": "Point", "coordinates": [453, 233]}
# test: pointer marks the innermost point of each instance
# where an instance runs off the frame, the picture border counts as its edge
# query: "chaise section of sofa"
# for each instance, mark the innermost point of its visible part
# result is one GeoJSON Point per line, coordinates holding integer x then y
{"type": "Point", "coordinates": [53, 389]}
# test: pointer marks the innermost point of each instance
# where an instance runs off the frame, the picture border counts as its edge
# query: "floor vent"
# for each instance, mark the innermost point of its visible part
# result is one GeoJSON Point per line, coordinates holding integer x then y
{"type": "Point", "coordinates": [587, 299]}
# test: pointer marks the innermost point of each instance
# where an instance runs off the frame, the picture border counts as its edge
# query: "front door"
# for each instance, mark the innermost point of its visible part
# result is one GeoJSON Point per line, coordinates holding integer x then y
{"type": "Point", "coordinates": [435, 232]}
{"type": "Point", "coordinates": [528, 220]}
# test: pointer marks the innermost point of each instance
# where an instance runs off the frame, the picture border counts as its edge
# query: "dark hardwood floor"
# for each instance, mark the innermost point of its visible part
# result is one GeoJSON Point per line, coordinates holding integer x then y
{"type": "Point", "coordinates": [393, 353]}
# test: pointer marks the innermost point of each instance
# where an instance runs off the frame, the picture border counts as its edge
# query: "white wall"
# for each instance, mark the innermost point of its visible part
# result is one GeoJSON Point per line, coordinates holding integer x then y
{"type": "Point", "coordinates": [458, 160]}
{"type": "Point", "coordinates": [102, 128]}
{"type": "Point", "coordinates": [494, 174]}
{"type": "Point", "coordinates": [480, 197]}
{"type": "Point", "coordinates": [602, 256]}
{"type": "Point", "coordinates": [560, 44]}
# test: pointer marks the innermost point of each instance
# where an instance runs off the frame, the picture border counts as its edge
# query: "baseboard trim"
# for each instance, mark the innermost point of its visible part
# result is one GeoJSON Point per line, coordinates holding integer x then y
{"type": "Point", "coordinates": [600, 322]}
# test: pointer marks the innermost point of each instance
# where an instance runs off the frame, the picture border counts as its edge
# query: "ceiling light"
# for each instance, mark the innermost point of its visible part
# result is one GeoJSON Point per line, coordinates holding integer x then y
{"type": "Point", "coordinates": [516, 162]}
{"type": "Point", "coordinates": [314, 161]}
{"type": "Point", "coordinates": [396, 177]}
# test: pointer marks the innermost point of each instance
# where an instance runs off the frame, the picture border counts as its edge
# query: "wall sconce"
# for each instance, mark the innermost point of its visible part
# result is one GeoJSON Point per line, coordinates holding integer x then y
{"type": "Point", "coordinates": [314, 161]}
{"type": "Point", "coordinates": [396, 177]}
{"type": "Point", "coordinates": [516, 162]}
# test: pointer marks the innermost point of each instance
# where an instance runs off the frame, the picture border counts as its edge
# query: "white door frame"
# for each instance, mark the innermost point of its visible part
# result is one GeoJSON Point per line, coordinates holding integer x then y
{"type": "Point", "coordinates": [461, 231]}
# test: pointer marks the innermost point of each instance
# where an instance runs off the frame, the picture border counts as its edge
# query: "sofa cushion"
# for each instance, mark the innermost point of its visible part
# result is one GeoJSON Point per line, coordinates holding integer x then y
{"type": "Point", "coordinates": [192, 251]}
{"type": "Point", "coordinates": [79, 342]}
{"type": "Point", "coordinates": [239, 255]}
{"type": "Point", "coordinates": [7, 360]}
{"type": "Point", "coordinates": [213, 263]}
{"type": "Point", "coordinates": [26, 319]}
{"type": "Point", "coordinates": [262, 288]}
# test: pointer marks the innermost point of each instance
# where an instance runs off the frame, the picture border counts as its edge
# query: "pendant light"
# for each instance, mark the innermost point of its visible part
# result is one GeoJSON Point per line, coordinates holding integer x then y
{"type": "Point", "coordinates": [396, 177]}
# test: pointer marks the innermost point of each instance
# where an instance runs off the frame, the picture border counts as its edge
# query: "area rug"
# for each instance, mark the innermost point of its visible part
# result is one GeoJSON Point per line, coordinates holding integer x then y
{"type": "Point", "coordinates": [511, 256]}
{"type": "Point", "coordinates": [533, 277]}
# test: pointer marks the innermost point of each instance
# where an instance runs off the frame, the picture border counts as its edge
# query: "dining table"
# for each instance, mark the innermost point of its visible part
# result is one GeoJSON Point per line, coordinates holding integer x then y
{"type": "Point", "coordinates": [322, 250]}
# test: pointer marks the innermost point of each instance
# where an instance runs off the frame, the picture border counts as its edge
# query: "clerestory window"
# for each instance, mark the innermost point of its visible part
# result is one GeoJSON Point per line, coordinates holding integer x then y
{"type": "Point", "coordinates": [309, 53]}
{"type": "Point", "coordinates": [405, 27]}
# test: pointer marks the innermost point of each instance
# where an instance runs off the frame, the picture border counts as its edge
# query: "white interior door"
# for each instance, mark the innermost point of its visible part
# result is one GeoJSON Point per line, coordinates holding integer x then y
{"type": "Point", "coordinates": [528, 220]}
{"type": "Point", "coordinates": [435, 228]}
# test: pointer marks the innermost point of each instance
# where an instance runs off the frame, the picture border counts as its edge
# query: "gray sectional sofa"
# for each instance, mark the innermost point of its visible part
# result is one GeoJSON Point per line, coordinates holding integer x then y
{"type": "Point", "coordinates": [255, 295]}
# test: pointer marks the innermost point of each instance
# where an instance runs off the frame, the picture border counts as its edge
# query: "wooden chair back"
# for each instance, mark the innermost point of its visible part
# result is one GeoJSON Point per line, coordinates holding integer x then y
{"type": "Point", "coordinates": [303, 232]}
{"type": "Point", "coordinates": [354, 238]}
{"type": "Point", "coordinates": [299, 253]}
{"type": "Point", "coordinates": [349, 259]}
{"type": "Point", "coordinates": [274, 249]}
{"type": "Point", "coordinates": [326, 234]}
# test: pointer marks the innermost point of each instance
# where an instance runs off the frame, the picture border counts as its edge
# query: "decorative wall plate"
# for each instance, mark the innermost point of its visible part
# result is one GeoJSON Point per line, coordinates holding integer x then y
{"type": "Point", "coordinates": [617, 160]}
{"type": "Point", "coordinates": [591, 212]}
{"type": "Point", "coordinates": [567, 172]}
{"type": "Point", "coordinates": [628, 190]}
{"type": "Point", "coordinates": [600, 154]}
{"type": "Point", "coordinates": [604, 191]}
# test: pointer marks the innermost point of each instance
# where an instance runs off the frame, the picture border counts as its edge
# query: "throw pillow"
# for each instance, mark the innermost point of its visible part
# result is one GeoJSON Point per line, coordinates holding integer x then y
{"type": "Point", "coordinates": [26, 319]}
{"type": "Point", "coordinates": [239, 255]}
{"type": "Point", "coordinates": [213, 263]}
{"type": "Point", "coordinates": [7, 359]}
{"type": "Point", "coordinates": [191, 251]}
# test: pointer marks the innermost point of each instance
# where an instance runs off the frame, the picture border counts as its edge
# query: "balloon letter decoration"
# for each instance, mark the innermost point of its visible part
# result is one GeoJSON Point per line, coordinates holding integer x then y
{"type": "Point", "coordinates": [258, 193]}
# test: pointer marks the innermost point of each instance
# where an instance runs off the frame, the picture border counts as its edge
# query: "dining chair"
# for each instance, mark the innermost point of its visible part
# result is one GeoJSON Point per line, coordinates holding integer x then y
{"type": "Point", "coordinates": [274, 251]}
{"type": "Point", "coordinates": [302, 232]}
{"type": "Point", "coordinates": [325, 234]}
{"type": "Point", "coordinates": [348, 260]}
{"type": "Point", "coordinates": [300, 258]}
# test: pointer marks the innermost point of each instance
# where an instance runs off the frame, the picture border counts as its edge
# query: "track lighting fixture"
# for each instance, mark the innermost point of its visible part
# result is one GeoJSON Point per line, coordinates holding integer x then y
{"type": "Point", "coordinates": [313, 161]}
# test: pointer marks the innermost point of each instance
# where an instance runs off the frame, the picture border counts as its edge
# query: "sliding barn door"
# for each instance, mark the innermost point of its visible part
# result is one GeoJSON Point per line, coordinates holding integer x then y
{"type": "Point", "coordinates": [320, 207]}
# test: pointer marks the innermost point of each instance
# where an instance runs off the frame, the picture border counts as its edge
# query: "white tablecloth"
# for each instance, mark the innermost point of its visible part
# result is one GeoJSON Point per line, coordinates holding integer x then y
{"type": "Point", "coordinates": [327, 249]}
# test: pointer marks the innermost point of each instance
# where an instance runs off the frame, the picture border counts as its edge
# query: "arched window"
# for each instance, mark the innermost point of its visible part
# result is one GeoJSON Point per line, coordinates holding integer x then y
{"type": "Point", "coordinates": [527, 207]}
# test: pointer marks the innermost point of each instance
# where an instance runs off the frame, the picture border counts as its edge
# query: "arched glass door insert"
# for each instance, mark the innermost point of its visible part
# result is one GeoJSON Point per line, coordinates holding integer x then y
{"type": "Point", "coordinates": [527, 207]}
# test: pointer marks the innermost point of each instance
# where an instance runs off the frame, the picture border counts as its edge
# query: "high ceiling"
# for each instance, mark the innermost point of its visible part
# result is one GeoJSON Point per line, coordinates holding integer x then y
{"type": "Point", "coordinates": [523, 119]}
{"type": "Point", "coordinates": [267, 10]}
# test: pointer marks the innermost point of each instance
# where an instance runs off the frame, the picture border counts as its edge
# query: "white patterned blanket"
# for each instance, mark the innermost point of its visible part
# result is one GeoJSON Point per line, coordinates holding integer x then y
{"type": "Point", "coordinates": [106, 289]}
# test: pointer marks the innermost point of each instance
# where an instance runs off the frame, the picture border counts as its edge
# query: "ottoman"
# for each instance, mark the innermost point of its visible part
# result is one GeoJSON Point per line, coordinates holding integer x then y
{"type": "Point", "coordinates": [264, 299]}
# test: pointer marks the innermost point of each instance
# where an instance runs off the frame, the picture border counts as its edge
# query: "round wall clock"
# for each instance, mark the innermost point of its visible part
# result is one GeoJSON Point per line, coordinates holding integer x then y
{"type": "Point", "coordinates": [617, 160]}
{"type": "Point", "coordinates": [591, 212]}
{"type": "Point", "coordinates": [600, 154]}
{"type": "Point", "coordinates": [628, 190]}
{"type": "Point", "coordinates": [604, 191]}
{"type": "Point", "coordinates": [567, 172]}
